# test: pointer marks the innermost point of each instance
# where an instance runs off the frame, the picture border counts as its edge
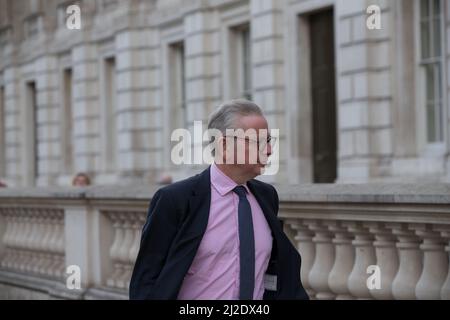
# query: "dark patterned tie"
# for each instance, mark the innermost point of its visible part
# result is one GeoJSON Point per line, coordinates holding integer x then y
{"type": "Point", "coordinates": [247, 246]}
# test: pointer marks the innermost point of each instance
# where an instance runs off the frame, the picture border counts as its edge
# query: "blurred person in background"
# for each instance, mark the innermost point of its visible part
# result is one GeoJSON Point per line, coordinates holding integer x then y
{"type": "Point", "coordinates": [81, 180]}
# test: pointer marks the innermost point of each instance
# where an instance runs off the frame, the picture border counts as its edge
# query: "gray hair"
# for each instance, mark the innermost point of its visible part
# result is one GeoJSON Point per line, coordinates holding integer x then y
{"type": "Point", "coordinates": [226, 115]}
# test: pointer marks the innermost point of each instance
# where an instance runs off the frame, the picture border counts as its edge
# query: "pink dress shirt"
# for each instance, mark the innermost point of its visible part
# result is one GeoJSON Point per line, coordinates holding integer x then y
{"type": "Point", "coordinates": [214, 273]}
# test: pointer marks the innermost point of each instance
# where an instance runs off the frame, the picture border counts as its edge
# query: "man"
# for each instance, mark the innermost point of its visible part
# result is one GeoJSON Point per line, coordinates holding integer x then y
{"type": "Point", "coordinates": [216, 235]}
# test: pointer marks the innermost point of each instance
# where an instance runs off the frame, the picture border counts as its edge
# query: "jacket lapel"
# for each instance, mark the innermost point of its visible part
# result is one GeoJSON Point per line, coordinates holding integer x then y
{"type": "Point", "coordinates": [271, 216]}
{"type": "Point", "coordinates": [200, 202]}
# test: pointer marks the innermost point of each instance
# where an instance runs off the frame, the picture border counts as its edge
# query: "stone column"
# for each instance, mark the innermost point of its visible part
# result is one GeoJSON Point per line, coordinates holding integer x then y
{"type": "Point", "coordinates": [364, 78]}
{"type": "Point", "coordinates": [202, 70]}
{"type": "Point", "coordinates": [47, 120]}
{"type": "Point", "coordinates": [13, 131]}
{"type": "Point", "coordinates": [267, 22]}
{"type": "Point", "coordinates": [139, 109]}
{"type": "Point", "coordinates": [86, 109]}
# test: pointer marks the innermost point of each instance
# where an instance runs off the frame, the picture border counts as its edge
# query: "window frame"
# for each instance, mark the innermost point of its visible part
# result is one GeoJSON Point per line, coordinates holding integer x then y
{"type": "Point", "coordinates": [2, 128]}
{"type": "Point", "coordinates": [238, 79]}
{"type": "Point", "coordinates": [425, 147]}
{"type": "Point", "coordinates": [230, 19]}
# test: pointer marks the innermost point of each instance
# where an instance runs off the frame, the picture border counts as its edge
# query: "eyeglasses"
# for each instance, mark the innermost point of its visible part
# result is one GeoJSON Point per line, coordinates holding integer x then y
{"type": "Point", "coordinates": [261, 144]}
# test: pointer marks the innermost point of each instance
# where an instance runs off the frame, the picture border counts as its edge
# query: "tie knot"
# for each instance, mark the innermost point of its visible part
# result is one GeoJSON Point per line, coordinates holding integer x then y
{"type": "Point", "coordinates": [240, 191]}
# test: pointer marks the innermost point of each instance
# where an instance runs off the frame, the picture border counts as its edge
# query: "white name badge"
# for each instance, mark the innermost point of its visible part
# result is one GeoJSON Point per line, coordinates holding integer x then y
{"type": "Point", "coordinates": [270, 282]}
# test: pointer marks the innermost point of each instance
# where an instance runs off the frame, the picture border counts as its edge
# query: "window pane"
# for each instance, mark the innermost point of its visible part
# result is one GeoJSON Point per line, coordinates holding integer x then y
{"type": "Point", "coordinates": [425, 39]}
{"type": "Point", "coordinates": [438, 103]}
{"type": "Point", "coordinates": [438, 81]}
{"type": "Point", "coordinates": [431, 123]}
{"type": "Point", "coordinates": [430, 85]}
{"type": "Point", "coordinates": [436, 8]}
{"type": "Point", "coordinates": [424, 9]}
{"type": "Point", "coordinates": [437, 38]}
{"type": "Point", "coordinates": [432, 55]}
{"type": "Point", "coordinates": [247, 67]}
{"type": "Point", "coordinates": [434, 106]}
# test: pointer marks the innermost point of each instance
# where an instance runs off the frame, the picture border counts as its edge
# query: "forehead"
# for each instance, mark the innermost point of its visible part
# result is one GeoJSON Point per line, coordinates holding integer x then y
{"type": "Point", "coordinates": [252, 122]}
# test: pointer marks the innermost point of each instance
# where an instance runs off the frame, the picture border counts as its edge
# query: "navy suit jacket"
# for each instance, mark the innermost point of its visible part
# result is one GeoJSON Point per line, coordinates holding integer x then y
{"type": "Point", "coordinates": [177, 219]}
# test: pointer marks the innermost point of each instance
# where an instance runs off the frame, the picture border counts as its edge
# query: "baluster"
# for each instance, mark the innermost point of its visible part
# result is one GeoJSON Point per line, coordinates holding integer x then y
{"type": "Point", "coordinates": [27, 238]}
{"type": "Point", "coordinates": [32, 240]}
{"type": "Point", "coordinates": [11, 257]}
{"type": "Point", "coordinates": [306, 248]}
{"type": "Point", "coordinates": [39, 242]}
{"type": "Point", "coordinates": [16, 236]}
{"type": "Point", "coordinates": [53, 244]}
{"type": "Point", "coordinates": [125, 249]}
{"type": "Point", "coordinates": [60, 249]}
{"type": "Point", "coordinates": [364, 257]}
{"type": "Point", "coordinates": [6, 237]}
{"type": "Point", "coordinates": [45, 245]}
{"type": "Point", "coordinates": [136, 238]}
{"type": "Point", "coordinates": [324, 260]}
{"type": "Point", "coordinates": [113, 251]}
{"type": "Point", "coordinates": [445, 291]}
{"type": "Point", "coordinates": [136, 227]}
{"type": "Point", "coordinates": [435, 263]}
{"type": "Point", "coordinates": [410, 262]}
{"type": "Point", "coordinates": [386, 257]}
{"type": "Point", "coordinates": [7, 217]}
{"type": "Point", "coordinates": [343, 263]}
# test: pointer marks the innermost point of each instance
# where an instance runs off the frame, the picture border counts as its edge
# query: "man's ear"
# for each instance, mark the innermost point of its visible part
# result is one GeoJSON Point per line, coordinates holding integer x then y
{"type": "Point", "coordinates": [220, 152]}
{"type": "Point", "coordinates": [223, 144]}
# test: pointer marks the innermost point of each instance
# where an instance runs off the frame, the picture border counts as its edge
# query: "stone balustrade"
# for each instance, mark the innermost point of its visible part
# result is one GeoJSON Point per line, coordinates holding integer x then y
{"type": "Point", "coordinates": [343, 232]}
{"type": "Point", "coordinates": [34, 241]}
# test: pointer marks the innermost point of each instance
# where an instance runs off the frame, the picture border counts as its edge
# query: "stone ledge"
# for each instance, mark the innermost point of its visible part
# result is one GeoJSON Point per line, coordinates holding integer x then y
{"type": "Point", "coordinates": [366, 193]}
{"type": "Point", "coordinates": [103, 293]}
{"type": "Point", "coordinates": [55, 289]}
{"type": "Point", "coordinates": [437, 193]}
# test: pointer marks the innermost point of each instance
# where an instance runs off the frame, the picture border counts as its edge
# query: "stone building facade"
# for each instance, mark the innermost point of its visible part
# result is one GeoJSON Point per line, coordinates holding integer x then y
{"type": "Point", "coordinates": [353, 104]}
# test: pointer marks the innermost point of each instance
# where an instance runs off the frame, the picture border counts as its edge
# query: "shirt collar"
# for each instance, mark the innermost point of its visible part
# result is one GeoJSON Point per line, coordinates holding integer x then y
{"type": "Point", "coordinates": [221, 182]}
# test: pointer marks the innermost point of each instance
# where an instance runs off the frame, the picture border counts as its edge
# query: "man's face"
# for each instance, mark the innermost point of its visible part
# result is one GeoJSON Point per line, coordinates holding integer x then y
{"type": "Point", "coordinates": [254, 146]}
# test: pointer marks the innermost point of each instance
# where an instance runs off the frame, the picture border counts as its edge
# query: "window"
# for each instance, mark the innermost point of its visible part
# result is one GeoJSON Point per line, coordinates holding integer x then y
{"type": "Point", "coordinates": [241, 62]}
{"type": "Point", "coordinates": [32, 142]}
{"type": "Point", "coordinates": [246, 63]}
{"type": "Point", "coordinates": [110, 126]}
{"type": "Point", "coordinates": [178, 84]}
{"type": "Point", "coordinates": [431, 63]}
{"type": "Point", "coordinates": [33, 26]}
{"type": "Point", "coordinates": [67, 150]}
{"type": "Point", "coordinates": [2, 133]}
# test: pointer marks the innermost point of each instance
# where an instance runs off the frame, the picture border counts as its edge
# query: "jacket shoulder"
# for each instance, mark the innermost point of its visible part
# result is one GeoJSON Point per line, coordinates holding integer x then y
{"type": "Point", "coordinates": [264, 186]}
{"type": "Point", "coordinates": [181, 189]}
